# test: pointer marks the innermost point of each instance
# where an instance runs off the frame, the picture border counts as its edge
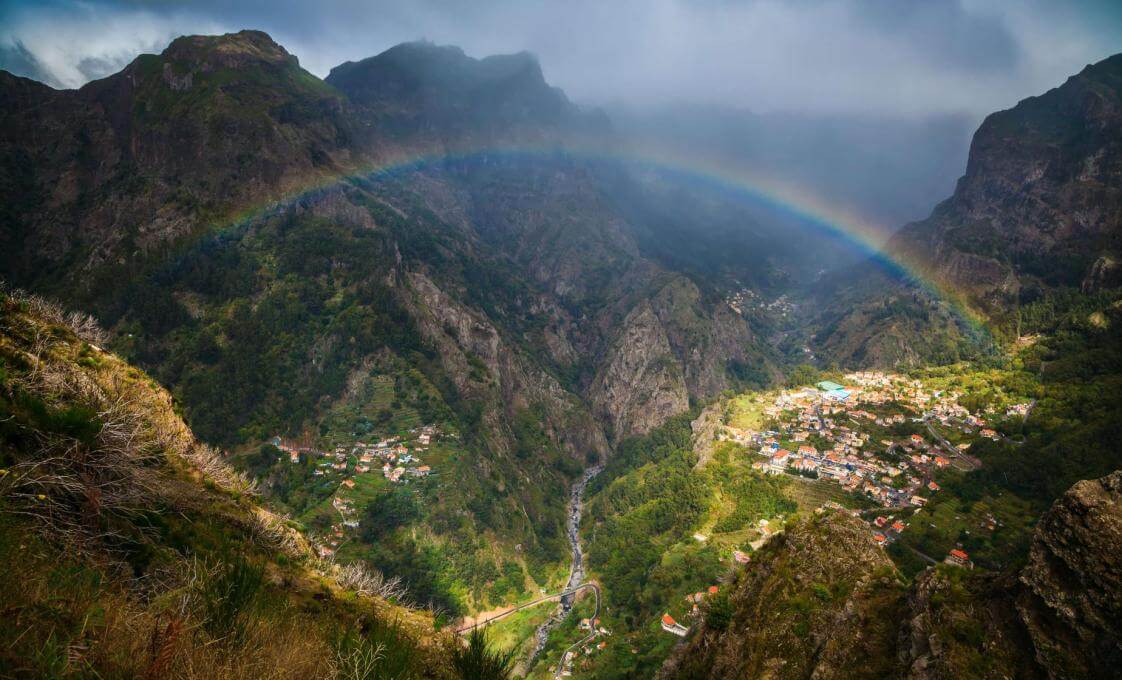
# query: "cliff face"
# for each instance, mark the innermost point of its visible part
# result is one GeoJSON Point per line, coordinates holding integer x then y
{"type": "Point", "coordinates": [822, 601]}
{"type": "Point", "coordinates": [1070, 594]}
{"type": "Point", "coordinates": [640, 384]}
{"type": "Point", "coordinates": [1039, 207]}
{"type": "Point", "coordinates": [1041, 200]}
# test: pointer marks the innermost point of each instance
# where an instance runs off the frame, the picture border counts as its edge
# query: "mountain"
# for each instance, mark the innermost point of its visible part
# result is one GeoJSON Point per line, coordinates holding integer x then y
{"type": "Point", "coordinates": [126, 166]}
{"type": "Point", "coordinates": [413, 319]}
{"type": "Point", "coordinates": [214, 206]}
{"type": "Point", "coordinates": [821, 600]}
{"type": "Point", "coordinates": [421, 90]}
{"type": "Point", "coordinates": [134, 550]}
{"type": "Point", "coordinates": [1039, 205]}
{"type": "Point", "coordinates": [1038, 212]}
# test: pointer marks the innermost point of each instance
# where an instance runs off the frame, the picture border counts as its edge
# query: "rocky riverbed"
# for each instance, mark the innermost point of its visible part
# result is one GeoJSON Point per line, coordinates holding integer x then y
{"type": "Point", "coordinates": [576, 570]}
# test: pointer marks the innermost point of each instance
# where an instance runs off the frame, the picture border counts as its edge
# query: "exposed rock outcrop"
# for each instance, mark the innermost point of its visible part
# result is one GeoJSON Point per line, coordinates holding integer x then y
{"type": "Point", "coordinates": [817, 602]}
{"type": "Point", "coordinates": [1070, 598]}
{"type": "Point", "coordinates": [822, 601]}
{"type": "Point", "coordinates": [1041, 200]}
{"type": "Point", "coordinates": [512, 381]}
{"type": "Point", "coordinates": [640, 384]}
{"type": "Point", "coordinates": [1039, 207]}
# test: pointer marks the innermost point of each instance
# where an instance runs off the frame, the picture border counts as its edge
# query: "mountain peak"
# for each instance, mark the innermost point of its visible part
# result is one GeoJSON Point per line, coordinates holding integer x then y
{"type": "Point", "coordinates": [231, 50]}
{"type": "Point", "coordinates": [427, 64]}
{"type": "Point", "coordinates": [420, 87]}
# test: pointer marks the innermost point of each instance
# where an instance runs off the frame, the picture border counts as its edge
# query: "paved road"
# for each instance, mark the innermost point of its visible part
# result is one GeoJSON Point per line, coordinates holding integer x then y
{"type": "Point", "coordinates": [533, 603]}
{"type": "Point", "coordinates": [958, 459]}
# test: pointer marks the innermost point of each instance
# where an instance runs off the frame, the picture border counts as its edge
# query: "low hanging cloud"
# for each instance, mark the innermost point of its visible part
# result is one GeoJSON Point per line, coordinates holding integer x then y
{"type": "Point", "coordinates": [885, 57]}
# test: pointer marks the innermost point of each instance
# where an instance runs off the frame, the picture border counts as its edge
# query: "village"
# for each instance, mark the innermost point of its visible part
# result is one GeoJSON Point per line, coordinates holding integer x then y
{"type": "Point", "coordinates": [745, 300]}
{"type": "Point", "coordinates": [880, 436]}
{"type": "Point", "coordinates": [396, 459]}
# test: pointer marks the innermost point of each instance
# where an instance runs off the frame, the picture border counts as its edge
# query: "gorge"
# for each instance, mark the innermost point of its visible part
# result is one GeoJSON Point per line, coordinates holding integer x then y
{"type": "Point", "coordinates": [423, 370]}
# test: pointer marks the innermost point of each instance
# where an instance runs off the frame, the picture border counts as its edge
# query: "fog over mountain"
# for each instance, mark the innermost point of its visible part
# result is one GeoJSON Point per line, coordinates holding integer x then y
{"type": "Point", "coordinates": [869, 56]}
{"type": "Point", "coordinates": [883, 94]}
{"type": "Point", "coordinates": [675, 339]}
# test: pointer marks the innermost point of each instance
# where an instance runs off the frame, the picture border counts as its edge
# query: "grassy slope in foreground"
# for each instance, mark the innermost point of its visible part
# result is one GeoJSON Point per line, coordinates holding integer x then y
{"type": "Point", "coordinates": [131, 550]}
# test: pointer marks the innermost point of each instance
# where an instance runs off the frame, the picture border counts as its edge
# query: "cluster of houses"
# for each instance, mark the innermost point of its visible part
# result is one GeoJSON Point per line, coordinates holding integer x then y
{"type": "Point", "coordinates": [747, 299]}
{"type": "Point", "coordinates": [397, 460]}
{"type": "Point", "coordinates": [887, 529]}
{"type": "Point", "coordinates": [694, 601]}
{"type": "Point", "coordinates": [392, 456]}
{"type": "Point", "coordinates": [589, 647]}
{"type": "Point", "coordinates": [840, 433]}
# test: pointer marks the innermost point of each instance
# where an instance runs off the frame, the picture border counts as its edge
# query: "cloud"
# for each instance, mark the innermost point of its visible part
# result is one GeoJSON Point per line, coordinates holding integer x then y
{"type": "Point", "coordinates": [69, 44]}
{"type": "Point", "coordinates": [842, 56]}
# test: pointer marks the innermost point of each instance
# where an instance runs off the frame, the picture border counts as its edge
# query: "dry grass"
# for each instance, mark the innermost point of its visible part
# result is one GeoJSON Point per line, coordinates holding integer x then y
{"type": "Point", "coordinates": [114, 553]}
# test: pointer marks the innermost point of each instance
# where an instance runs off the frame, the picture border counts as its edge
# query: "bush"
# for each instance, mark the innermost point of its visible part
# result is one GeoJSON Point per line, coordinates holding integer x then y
{"type": "Point", "coordinates": [719, 611]}
{"type": "Point", "coordinates": [229, 595]}
{"type": "Point", "coordinates": [478, 661]}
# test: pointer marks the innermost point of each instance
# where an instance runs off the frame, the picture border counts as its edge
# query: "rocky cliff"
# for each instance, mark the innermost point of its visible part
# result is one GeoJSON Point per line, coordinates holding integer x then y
{"type": "Point", "coordinates": [821, 600]}
{"type": "Point", "coordinates": [1041, 201]}
{"type": "Point", "coordinates": [1038, 209]}
{"type": "Point", "coordinates": [1070, 593]}
{"type": "Point", "coordinates": [815, 602]}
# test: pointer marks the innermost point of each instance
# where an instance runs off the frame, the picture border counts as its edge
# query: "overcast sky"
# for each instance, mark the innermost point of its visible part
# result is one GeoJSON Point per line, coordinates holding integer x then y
{"type": "Point", "coordinates": [883, 57]}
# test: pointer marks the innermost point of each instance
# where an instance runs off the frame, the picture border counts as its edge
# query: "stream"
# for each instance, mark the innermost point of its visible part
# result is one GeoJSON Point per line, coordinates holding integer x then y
{"type": "Point", "coordinates": [576, 569]}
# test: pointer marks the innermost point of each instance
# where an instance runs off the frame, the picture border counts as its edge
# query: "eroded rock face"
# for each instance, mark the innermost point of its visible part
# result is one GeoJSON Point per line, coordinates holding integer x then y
{"type": "Point", "coordinates": [1040, 200]}
{"type": "Point", "coordinates": [640, 384]}
{"type": "Point", "coordinates": [1059, 617]}
{"type": "Point", "coordinates": [1039, 207]}
{"type": "Point", "coordinates": [1071, 590]}
{"type": "Point", "coordinates": [958, 624]}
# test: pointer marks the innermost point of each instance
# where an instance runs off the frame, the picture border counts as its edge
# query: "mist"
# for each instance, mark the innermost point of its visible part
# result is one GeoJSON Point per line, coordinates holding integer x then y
{"type": "Point", "coordinates": [868, 104]}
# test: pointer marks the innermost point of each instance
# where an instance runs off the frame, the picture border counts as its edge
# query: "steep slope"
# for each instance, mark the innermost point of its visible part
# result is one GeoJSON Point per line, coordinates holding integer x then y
{"type": "Point", "coordinates": [1039, 210]}
{"type": "Point", "coordinates": [130, 549]}
{"type": "Point", "coordinates": [1070, 593]}
{"type": "Point", "coordinates": [1041, 201]}
{"type": "Point", "coordinates": [484, 294]}
{"type": "Point", "coordinates": [97, 178]}
{"type": "Point", "coordinates": [821, 601]}
{"type": "Point", "coordinates": [816, 602]}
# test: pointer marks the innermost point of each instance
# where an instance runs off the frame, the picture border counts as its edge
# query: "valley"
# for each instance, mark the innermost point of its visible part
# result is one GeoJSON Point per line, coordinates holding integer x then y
{"type": "Point", "coordinates": [419, 370]}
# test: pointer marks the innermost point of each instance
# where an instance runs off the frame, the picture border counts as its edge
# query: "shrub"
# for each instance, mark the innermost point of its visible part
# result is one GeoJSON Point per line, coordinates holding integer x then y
{"type": "Point", "coordinates": [478, 661]}
{"type": "Point", "coordinates": [229, 595]}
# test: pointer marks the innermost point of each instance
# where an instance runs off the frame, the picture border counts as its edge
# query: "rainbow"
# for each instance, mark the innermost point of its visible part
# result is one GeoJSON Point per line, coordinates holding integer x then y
{"type": "Point", "coordinates": [831, 219]}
